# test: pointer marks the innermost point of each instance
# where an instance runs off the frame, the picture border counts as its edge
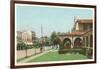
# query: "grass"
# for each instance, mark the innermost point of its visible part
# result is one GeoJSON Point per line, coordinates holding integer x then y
{"type": "Point", "coordinates": [54, 56]}
{"type": "Point", "coordinates": [25, 57]}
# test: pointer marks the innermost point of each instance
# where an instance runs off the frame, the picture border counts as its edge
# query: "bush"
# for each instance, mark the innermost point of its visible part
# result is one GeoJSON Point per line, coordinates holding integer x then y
{"type": "Point", "coordinates": [84, 51]}
{"type": "Point", "coordinates": [63, 50]}
{"type": "Point", "coordinates": [36, 45]}
{"type": "Point", "coordinates": [89, 53]}
{"type": "Point", "coordinates": [21, 46]}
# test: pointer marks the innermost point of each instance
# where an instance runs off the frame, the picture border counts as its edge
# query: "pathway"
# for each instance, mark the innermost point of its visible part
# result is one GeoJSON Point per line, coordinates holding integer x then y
{"type": "Point", "coordinates": [33, 57]}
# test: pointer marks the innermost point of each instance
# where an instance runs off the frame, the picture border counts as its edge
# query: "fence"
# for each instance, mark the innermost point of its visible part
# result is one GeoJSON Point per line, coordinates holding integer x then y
{"type": "Point", "coordinates": [29, 52]}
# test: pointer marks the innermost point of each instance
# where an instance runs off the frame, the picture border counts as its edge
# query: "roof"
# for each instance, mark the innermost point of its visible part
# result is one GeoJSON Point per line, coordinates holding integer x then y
{"type": "Point", "coordinates": [76, 33]}
{"type": "Point", "coordinates": [85, 21]}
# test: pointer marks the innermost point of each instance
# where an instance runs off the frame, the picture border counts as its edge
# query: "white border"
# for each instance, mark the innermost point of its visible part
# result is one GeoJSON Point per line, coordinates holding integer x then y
{"type": "Point", "coordinates": [50, 62]}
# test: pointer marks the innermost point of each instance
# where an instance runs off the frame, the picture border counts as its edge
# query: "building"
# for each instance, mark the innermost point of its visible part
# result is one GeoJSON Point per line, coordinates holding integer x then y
{"type": "Point", "coordinates": [27, 37]}
{"type": "Point", "coordinates": [19, 36]}
{"type": "Point", "coordinates": [33, 36]}
{"type": "Point", "coordinates": [81, 35]}
{"type": "Point", "coordinates": [83, 25]}
{"type": "Point", "coordinates": [84, 28]}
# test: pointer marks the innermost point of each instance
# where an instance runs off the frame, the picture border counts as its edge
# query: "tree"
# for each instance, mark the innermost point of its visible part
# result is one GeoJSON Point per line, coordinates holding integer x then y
{"type": "Point", "coordinates": [22, 46]}
{"type": "Point", "coordinates": [47, 41]}
{"type": "Point", "coordinates": [36, 44]}
{"type": "Point", "coordinates": [55, 39]}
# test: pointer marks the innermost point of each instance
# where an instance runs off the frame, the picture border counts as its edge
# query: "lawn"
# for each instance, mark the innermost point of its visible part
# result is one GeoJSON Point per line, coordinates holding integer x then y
{"type": "Point", "coordinates": [54, 56]}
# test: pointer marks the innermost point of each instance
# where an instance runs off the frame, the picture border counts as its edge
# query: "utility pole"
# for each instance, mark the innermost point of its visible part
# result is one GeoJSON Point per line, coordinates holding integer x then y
{"type": "Point", "coordinates": [41, 48]}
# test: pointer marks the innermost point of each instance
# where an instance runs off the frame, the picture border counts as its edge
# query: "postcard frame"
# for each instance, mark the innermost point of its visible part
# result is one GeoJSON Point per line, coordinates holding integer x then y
{"type": "Point", "coordinates": [12, 30]}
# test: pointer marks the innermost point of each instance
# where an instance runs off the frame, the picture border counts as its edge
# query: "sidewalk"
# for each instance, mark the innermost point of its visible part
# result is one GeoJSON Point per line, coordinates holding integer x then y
{"type": "Point", "coordinates": [33, 57]}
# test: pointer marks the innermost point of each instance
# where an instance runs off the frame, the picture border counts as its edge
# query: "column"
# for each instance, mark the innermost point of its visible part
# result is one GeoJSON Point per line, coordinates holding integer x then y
{"type": "Point", "coordinates": [72, 43]}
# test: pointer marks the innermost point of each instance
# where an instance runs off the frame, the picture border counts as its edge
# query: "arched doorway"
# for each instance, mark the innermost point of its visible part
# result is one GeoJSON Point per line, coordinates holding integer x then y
{"type": "Point", "coordinates": [77, 43]}
{"type": "Point", "coordinates": [67, 43]}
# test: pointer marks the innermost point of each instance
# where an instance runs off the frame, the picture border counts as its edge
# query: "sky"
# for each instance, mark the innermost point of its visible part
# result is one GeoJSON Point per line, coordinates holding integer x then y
{"type": "Point", "coordinates": [30, 18]}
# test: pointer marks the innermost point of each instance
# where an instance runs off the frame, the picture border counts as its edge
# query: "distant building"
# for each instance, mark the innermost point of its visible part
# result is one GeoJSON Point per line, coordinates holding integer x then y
{"type": "Point", "coordinates": [19, 36]}
{"type": "Point", "coordinates": [33, 36]}
{"type": "Point", "coordinates": [43, 39]}
{"type": "Point", "coordinates": [27, 37]}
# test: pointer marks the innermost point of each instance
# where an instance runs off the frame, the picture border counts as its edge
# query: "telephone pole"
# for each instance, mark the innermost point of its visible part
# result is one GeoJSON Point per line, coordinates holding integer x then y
{"type": "Point", "coordinates": [41, 48]}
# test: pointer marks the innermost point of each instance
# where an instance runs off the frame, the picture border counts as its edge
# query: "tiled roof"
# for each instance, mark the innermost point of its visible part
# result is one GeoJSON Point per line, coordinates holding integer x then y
{"type": "Point", "coordinates": [85, 21]}
{"type": "Point", "coordinates": [76, 33]}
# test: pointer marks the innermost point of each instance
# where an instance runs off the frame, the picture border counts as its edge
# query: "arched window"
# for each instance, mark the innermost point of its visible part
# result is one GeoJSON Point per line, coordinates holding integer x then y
{"type": "Point", "coordinates": [78, 42]}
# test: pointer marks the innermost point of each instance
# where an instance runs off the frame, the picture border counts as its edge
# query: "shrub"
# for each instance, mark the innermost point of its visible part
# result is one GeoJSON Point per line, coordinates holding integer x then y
{"type": "Point", "coordinates": [21, 46]}
{"type": "Point", "coordinates": [89, 53]}
{"type": "Point", "coordinates": [63, 50]}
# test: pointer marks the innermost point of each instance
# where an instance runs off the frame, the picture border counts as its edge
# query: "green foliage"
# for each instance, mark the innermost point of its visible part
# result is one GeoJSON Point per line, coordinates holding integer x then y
{"type": "Point", "coordinates": [21, 46]}
{"type": "Point", "coordinates": [55, 56]}
{"type": "Point", "coordinates": [55, 39]}
{"type": "Point", "coordinates": [53, 35]}
{"type": "Point", "coordinates": [29, 46]}
{"type": "Point", "coordinates": [84, 51]}
{"type": "Point", "coordinates": [90, 53]}
{"type": "Point", "coordinates": [47, 41]}
{"type": "Point", "coordinates": [71, 50]}
{"type": "Point", "coordinates": [36, 44]}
